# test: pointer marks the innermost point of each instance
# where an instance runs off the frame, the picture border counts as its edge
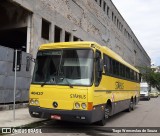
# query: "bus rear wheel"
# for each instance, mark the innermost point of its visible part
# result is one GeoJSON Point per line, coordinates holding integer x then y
{"type": "Point", "coordinates": [131, 106]}
{"type": "Point", "coordinates": [103, 121]}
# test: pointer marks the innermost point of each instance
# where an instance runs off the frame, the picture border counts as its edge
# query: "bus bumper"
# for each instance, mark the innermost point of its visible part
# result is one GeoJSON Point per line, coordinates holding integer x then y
{"type": "Point", "coordinates": [68, 115]}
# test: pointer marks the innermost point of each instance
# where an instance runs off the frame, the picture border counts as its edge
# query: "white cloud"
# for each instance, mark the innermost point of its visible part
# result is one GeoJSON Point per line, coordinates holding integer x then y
{"type": "Point", "coordinates": [144, 19]}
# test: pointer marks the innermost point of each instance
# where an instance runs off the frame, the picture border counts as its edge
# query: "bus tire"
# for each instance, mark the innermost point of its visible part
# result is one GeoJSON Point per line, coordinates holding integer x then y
{"type": "Point", "coordinates": [130, 107]}
{"type": "Point", "coordinates": [104, 119]}
{"type": "Point", "coordinates": [133, 105]}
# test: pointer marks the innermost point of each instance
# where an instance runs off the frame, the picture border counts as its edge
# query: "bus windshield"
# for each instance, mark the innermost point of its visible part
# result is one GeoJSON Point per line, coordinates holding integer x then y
{"type": "Point", "coordinates": [64, 67]}
{"type": "Point", "coordinates": [144, 89]}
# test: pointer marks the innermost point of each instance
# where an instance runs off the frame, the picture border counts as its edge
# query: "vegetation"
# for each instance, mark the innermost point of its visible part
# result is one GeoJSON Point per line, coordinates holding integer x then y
{"type": "Point", "coordinates": [151, 77]}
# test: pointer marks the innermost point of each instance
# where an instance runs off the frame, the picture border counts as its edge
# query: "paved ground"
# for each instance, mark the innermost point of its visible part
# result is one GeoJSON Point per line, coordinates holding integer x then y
{"type": "Point", "coordinates": [146, 114]}
{"type": "Point", "coordinates": [22, 117]}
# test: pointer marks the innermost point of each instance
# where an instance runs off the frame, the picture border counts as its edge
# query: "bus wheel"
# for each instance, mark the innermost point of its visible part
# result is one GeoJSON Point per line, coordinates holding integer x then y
{"type": "Point", "coordinates": [130, 107]}
{"type": "Point", "coordinates": [133, 105]}
{"type": "Point", "coordinates": [105, 117]}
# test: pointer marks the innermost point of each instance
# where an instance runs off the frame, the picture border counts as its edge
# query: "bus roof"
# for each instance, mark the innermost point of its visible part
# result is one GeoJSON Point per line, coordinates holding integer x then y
{"type": "Point", "coordinates": [87, 44]}
{"type": "Point", "coordinates": [77, 44]}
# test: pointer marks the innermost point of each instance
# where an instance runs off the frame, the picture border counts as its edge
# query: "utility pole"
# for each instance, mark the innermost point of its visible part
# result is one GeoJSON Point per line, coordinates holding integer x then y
{"type": "Point", "coordinates": [15, 78]}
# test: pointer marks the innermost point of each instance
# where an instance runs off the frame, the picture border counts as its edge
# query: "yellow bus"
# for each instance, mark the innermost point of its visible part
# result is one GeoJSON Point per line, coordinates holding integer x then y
{"type": "Point", "coordinates": [81, 82]}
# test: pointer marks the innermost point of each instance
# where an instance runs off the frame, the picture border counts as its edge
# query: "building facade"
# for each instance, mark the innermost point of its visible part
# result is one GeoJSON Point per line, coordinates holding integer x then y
{"type": "Point", "coordinates": [26, 24]}
{"type": "Point", "coordinates": [30, 23]}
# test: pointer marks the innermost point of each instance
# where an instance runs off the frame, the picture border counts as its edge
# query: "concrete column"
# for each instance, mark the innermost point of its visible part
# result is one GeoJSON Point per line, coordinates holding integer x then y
{"type": "Point", "coordinates": [102, 3]}
{"type": "Point", "coordinates": [71, 37]}
{"type": "Point", "coordinates": [29, 27]}
{"type": "Point", "coordinates": [36, 34]}
{"type": "Point", "coordinates": [98, 1]}
{"type": "Point", "coordinates": [51, 35]}
{"type": "Point", "coordinates": [62, 39]}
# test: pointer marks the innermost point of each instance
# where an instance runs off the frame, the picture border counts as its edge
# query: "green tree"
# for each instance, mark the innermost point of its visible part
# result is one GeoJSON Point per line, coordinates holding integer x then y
{"type": "Point", "coordinates": [150, 76]}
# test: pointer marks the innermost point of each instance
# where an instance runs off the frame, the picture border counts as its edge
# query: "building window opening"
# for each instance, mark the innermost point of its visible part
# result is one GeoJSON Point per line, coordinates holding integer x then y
{"type": "Point", "coordinates": [117, 23]}
{"type": "Point", "coordinates": [104, 6]}
{"type": "Point", "coordinates": [45, 29]}
{"type": "Point", "coordinates": [122, 28]}
{"type": "Point", "coordinates": [115, 19]}
{"type": "Point", "coordinates": [100, 3]}
{"type": "Point", "coordinates": [57, 34]}
{"type": "Point", "coordinates": [15, 38]}
{"type": "Point", "coordinates": [107, 10]}
{"type": "Point", "coordinates": [75, 38]}
{"type": "Point", "coordinates": [112, 16]}
{"type": "Point", "coordinates": [13, 25]}
{"type": "Point", "coordinates": [67, 37]}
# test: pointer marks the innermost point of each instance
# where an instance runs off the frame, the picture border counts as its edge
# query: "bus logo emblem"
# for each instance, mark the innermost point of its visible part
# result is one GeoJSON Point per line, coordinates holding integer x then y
{"type": "Point", "coordinates": [55, 104]}
{"type": "Point", "coordinates": [119, 85]}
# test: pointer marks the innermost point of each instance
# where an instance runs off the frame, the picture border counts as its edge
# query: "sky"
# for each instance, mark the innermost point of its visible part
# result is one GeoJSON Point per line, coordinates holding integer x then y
{"type": "Point", "coordinates": [143, 17]}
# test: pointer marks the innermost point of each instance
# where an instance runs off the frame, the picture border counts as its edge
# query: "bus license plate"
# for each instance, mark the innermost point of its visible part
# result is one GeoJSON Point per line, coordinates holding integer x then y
{"type": "Point", "coordinates": [56, 117]}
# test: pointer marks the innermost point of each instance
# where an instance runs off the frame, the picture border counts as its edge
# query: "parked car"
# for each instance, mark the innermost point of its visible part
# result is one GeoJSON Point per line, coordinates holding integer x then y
{"type": "Point", "coordinates": [144, 91]}
{"type": "Point", "coordinates": [154, 94]}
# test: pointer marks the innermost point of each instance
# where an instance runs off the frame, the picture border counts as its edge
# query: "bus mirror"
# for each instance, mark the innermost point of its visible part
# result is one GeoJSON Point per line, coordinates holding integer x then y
{"type": "Point", "coordinates": [28, 59]}
{"type": "Point", "coordinates": [31, 59]}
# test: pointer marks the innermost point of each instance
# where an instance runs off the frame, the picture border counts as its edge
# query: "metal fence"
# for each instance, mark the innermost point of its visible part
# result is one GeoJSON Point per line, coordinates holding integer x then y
{"type": "Point", "coordinates": [7, 77]}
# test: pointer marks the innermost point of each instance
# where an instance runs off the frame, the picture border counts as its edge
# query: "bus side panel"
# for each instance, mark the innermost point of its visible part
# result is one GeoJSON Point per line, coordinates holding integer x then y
{"type": "Point", "coordinates": [116, 90]}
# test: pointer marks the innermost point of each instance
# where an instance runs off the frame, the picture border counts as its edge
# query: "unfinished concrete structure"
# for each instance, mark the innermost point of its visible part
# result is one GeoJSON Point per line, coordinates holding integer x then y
{"type": "Point", "coordinates": [26, 24]}
{"type": "Point", "coordinates": [33, 22]}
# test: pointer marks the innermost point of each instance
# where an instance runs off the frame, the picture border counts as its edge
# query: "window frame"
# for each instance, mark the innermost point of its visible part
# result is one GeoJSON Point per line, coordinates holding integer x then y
{"type": "Point", "coordinates": [124, 73]}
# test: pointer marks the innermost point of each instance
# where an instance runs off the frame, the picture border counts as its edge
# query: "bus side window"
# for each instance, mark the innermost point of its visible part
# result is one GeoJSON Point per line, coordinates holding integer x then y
{"type": "Point", "coordinates": [111, 66]}
{"type": "Point", "coordinates": [140, 77]}
{"type": "Point", "coordinates": [120, 70]}
{"type": "Point", "coordinates": [106, 64]}
{"type": "Point", "coordinates": [98, 68]}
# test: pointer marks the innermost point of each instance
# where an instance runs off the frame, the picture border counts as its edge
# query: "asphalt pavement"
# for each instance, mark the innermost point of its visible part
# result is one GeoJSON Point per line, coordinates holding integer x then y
{"type": "Point", "coordinates": [146, 114]}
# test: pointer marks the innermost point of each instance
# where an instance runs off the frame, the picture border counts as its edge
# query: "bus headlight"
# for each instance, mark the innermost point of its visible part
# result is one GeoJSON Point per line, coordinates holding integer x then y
{"type": "Point", "coordinates": [77, 105]}
{"type": "Point", "coordinates": [83, 105]}
{"type": "Point", "coordinates": [32, 101]}
{"type": "Point", "coordinates": [36, 102]}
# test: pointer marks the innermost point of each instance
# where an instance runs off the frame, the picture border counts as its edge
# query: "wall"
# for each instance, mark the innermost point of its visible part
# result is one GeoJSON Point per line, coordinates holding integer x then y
{"type": "Point", "coordinates": [90, 21]}
{"type": "Point", "coordinates": [7, 77]}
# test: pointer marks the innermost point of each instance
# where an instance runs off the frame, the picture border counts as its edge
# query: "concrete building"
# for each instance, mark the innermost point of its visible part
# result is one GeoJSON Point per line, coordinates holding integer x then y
{"type": "Point", "coordinates": [26, 24]}
{"type": "Point", "coordinates": [33, 22]}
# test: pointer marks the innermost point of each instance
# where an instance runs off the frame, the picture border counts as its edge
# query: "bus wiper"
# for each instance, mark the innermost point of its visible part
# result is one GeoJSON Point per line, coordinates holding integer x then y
{"type": "Point", "coordinates": [68, 83]}
{"type": "Point", "coordinates": [62, 77]}
{"type": "Point", "coordinates": [44, 83]}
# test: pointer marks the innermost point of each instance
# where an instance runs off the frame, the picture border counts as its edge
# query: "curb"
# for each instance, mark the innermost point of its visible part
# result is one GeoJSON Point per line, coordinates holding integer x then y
{"type": "Point", "coordinates": [10, 106]}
